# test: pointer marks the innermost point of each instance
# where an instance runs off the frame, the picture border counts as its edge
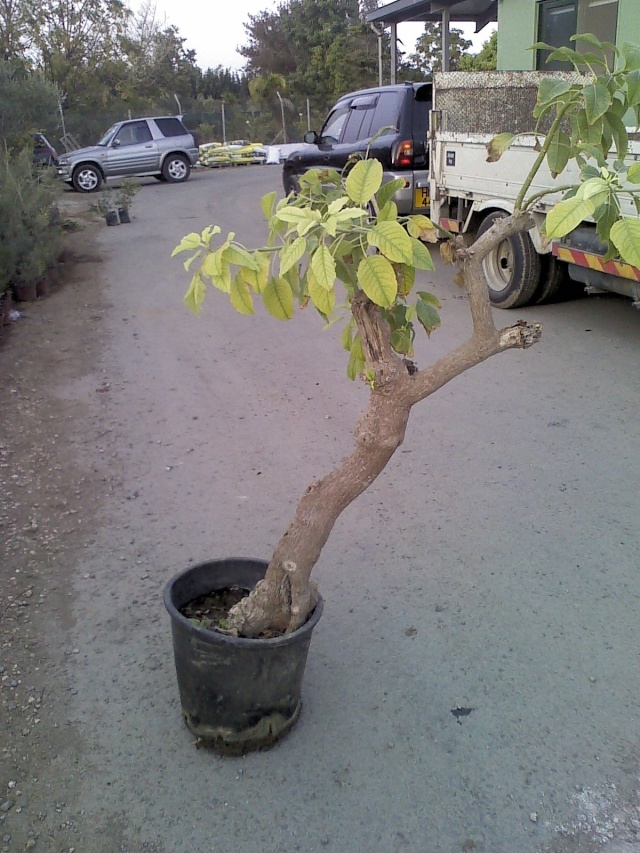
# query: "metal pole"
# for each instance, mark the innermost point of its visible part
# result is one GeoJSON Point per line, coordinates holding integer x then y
{"type": "Point", "coordinates": [394, 52]}
{"type": "Point", "coordinates": [446, 40]}
{"type": "Point", "coordinates": [379, 33]}
{"type": "Point", "coordinates": [308, 115]}
{"type": "Point", "coordinates": [224, 125]}
{"type": "Point", "coordinates": [284, 129]}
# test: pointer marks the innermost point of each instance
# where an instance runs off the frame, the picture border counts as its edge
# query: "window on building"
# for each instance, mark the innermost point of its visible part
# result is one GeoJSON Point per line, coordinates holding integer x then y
{"type": "Point", "coordinates": [558, 20]}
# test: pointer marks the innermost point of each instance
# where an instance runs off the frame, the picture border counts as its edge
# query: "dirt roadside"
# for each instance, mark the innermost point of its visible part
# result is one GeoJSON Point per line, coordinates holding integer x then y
{"type": "Point", "coordinates": [48, 506]}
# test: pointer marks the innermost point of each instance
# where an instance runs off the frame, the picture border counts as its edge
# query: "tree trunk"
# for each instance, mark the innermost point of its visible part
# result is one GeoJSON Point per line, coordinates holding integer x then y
{"type": "Point", "coordinates": [283, 600]}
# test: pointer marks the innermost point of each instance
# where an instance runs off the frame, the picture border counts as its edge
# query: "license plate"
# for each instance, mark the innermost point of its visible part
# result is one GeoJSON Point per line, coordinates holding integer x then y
{"type": "Point", "coordinates": [421, 197]}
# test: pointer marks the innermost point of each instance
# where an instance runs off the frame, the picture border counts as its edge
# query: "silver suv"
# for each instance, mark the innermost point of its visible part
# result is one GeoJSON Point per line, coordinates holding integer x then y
{"type": "Point", "coordinates": [161, 147]}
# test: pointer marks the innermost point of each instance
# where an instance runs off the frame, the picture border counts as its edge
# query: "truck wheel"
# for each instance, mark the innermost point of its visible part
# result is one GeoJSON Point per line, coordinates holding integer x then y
{"type": "Point", "coordinates": [512, 269]}
{"type": "Point", "coordinates": [553, 281]}
{"type": "Point", "coordinates": [86, 178]}
{"type": "Point", "coordinates": [291, 185]}
{"type": "Point", "coordinates": [176, 169]}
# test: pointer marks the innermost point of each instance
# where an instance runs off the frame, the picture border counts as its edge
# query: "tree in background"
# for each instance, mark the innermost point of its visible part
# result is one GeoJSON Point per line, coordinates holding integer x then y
{"type": "Point", "coordinates": [322, 48]}
{"type": "Point", "coordinates": [428, 53]}
{"type": "Point", "coordinates": [28, 102]}
{"type": "Point", "coordinates": [485, 60]}
{"type": "Point", "coordinates": [14, 33]}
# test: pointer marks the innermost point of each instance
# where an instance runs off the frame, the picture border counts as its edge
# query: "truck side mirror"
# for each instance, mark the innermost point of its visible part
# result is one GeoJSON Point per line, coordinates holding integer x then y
{"type": "Point", "coordinates": [311, 137]}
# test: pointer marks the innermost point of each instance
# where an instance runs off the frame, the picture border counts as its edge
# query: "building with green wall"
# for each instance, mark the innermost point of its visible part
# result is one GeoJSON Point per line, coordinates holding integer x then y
{"type": "Point", "coordinates": [521, 23]}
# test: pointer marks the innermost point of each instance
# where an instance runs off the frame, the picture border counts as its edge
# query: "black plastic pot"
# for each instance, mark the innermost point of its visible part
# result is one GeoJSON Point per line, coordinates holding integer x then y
{"type": "Point", "coordinates": [123, 214]}
{"type": "Point", "coordinates": [111, 217]}
{"type": "Point", "coordinates": [237, 694]}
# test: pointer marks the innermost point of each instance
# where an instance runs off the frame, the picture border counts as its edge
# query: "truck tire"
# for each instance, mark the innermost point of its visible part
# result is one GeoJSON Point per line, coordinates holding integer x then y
{"type": "Point", "coordinates": [512, 269]}
{"type": "Point", "coordinates": [554, 281]}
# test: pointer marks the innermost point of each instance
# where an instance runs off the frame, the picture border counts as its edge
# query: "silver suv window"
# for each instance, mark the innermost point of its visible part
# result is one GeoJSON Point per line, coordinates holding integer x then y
{"type": "Point", "coordinates": [170, 126]}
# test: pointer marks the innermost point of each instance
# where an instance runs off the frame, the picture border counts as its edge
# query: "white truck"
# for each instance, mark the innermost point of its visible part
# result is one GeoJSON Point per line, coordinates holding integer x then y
{"type": "Point", "coordinates": [465, 193]}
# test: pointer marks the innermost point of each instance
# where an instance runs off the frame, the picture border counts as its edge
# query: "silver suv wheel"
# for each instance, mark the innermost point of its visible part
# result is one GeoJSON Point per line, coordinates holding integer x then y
{"type": "Point", "coordinates": [176, 168]}
{"type": "Point", "coordinates": [87, 179]}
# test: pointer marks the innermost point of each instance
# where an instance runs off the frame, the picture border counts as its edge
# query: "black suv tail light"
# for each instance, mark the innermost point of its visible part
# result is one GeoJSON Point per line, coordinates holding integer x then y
{"type": "Point", "coordinates": [402, 155]}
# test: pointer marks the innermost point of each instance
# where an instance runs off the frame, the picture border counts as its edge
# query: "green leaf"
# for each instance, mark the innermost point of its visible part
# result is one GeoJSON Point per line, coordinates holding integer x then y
{"type": "Point", "coordinates": [597, 100]}
{"type": "Point", "coordinates": [278, 299]}
{"type": "Point", "coordinates": [406, 277]}
{"type": "Point", "coordinates": [559, 153]}
{"type": "Point", "coordinates": [266, 203]}
{"type": "Point", "coordinates": [550, 88]}
{"type": "Point", "coordinates": [631, 56]}
{"type": "Point", "coordinates": [589, 38]}
{"type": "Point", "coordinates": [567, 215]}
{"type": "Point", "coordinates": [346, 337]}
{"type": "Point", "coordinates": [625, 236]}
{"type": "Point", "coordinates": [632, 80]}
{"type": "Point", "coordinates": [240, 296]}
{"type": "Point", "coordinates": [429, 298]}
{"type": "Point", "coordinates": [606, 215]}
{"type": "Point", "coordinates": [378, 280]}
{"type": "Point", "coordinates": [619, 134]}
{"type": "Point", "coordinates": [324, 267]}
{"type": "Point", "coordinates": [323, 299]}
{"type": "Point", "coordinates": [427, 316]}
{"type": "Point", "coordinates": [356, 359]}
{"type": "Point", "coordinates": [422, 259]}
{"type": "Point", "coordinates": [364, 181]}
{"type": "Point", "coordinates": [387, 190]}
{"type": "Point", "coordinates": [498, 145]}
{"type": "Point", "coordinates": [392, 240]}
{"type": "Point", "coordinates": [194, 296]}
{"type": "Point", "coordinates": [291, 254]}
{"type": "Point", "coordinates": [187, 244]}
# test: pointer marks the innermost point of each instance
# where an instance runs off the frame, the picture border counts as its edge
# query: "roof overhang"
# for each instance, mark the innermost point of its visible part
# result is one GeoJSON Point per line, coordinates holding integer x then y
{"type": "Point", "coordinates": [479, 12]}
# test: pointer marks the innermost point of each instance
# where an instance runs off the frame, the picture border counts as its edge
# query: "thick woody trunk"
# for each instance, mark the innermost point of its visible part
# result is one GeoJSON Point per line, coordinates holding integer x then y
{"type": "Point", "coordinates": [282, 601]}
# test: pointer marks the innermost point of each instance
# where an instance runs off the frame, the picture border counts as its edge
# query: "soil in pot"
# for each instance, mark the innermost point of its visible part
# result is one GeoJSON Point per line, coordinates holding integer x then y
{"type": "Point", "coordinates": [237, 694]}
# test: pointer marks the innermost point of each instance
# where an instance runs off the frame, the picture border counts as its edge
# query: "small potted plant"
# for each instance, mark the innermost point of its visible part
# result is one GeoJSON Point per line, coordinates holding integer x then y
{"type": "Point", "coordinates": [105, 205]}
{"type": "Point", "coordinates": [241, 628]}
{"type": "Point", "coordinates": [123, 198]}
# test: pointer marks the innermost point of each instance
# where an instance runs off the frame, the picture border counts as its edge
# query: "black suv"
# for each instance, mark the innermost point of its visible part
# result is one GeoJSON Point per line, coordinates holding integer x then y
{"type": "Point", "coordinates": [349, 128]}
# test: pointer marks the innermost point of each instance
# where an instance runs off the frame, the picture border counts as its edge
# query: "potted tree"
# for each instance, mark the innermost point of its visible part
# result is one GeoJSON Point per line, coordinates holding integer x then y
{"type": "Point", "coordinates": [123, 198]}
{"type": "Point", "coordinates": [105, 205]}
{"type": "Point", "coordinates": [349, 231]}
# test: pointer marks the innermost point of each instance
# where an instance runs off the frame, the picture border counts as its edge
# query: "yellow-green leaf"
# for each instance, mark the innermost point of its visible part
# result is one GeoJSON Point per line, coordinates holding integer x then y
{"type": "Point", "coordinates": [240, 296]}
{"type": "Point", "coordinates": [278, 298]}
{"type": "Point", "coordinates": [625, 236]}
{"type": "Point", "coordinates": [238, 255]}
{"type": "Point", "coordinates": [189, 261]}
{"type": "Point", "coordinates": [187, 244]}
{"type": "Point", "coordinates": [387, 190]}
{"type": "Point", "coordinates": [498, 145]}
{"type": "Point", "coordinates": [388, 213]}
{"type": "Point", "coordinates": [378, 280]}
{"type": "Point", "coordinates": [567, 215]}
{"type": "Point", "coordinates": [421, 258]}
{"type": "Point", "coordinates": [257, 278]}
{"type": "Point", "coordinates": [633, 173]}
{"type": "Point", "coordinates": [301, 218]}
{"type": "Point", "coordinates": [392, 240]}
{"type": "Point", "coordinates": [351, 213]}
{"type": "Point", "coordinates": [337, 205]}
{"type": "Point", "coordinates": [324, 267]}
{"type": "Point", "coordinates": [291, 254]}
{"type": "Point", "coordinates": [323, 299]}
{"type": "Point", "coordinates": [194, 296]}
{"type": "Point", "coordinates": [364, 181]}
{"type": "Point", "coordinates": [558, 153]}
{"type": "Point", "coordinates": [422, 227]}
{"type": "Point", "coordinates": [266, 203]}
{"type": "Point", "coordinates": [356, 359]}
{"type": "Point", "coordinates": [217, 268]}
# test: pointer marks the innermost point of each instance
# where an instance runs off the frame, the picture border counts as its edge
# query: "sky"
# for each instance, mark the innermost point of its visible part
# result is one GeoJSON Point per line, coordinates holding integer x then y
{"type": "Point", "coordinates": [215, 28]}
